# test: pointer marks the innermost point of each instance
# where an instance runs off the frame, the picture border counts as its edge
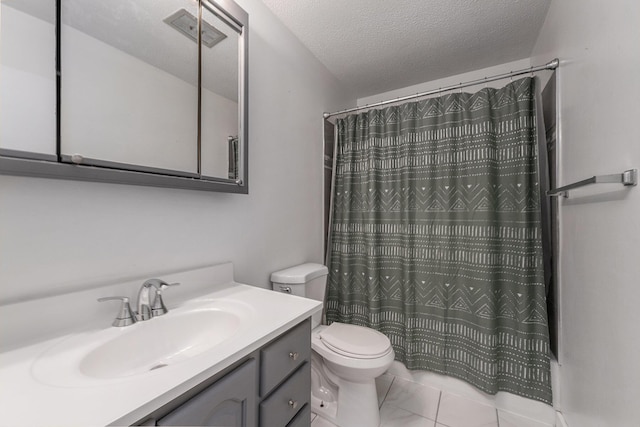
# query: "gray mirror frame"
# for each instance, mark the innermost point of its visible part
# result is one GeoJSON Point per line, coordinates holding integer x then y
{"type": "Point", "coordinates": [30, 164]}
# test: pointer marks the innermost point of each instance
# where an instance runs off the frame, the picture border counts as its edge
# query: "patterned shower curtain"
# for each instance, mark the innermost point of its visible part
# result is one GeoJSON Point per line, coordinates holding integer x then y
{"type": "Point", "coordinates": [436, 236]}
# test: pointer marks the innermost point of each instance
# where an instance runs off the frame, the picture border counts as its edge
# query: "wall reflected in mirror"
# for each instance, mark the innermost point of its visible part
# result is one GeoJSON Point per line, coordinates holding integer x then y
{"type": "Point", "coordinates": [28, 76]}
{"type": "Point", "coordinates": [220, 123]}
{"type": "Point", "coordinates": [129, 84]}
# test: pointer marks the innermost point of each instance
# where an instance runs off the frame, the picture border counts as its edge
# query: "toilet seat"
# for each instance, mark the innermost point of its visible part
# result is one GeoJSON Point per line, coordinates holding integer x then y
{"type": "Point", "coordinates": [355, 341]}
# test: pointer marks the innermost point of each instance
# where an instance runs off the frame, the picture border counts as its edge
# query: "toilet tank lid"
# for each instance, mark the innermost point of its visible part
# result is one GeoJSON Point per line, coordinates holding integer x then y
{"type": "Point", "coordinates": [300, 273]}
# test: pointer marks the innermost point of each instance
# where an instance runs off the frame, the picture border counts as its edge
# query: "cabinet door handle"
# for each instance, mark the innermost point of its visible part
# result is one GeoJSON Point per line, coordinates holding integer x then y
{"type": "Point", "coordinates": [294, 355]}
{"type": "Point", "coordinates": [293, 404]}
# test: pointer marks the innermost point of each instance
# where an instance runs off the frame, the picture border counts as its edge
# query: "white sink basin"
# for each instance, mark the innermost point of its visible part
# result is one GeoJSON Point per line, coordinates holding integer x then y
{"type": "Point", "coordinates": [146, 347]}
{"type": "Point", "coordinates": [159, 342]}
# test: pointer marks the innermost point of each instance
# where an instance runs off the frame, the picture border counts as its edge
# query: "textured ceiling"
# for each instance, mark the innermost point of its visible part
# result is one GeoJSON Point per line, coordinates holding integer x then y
{"type": "Point", "coordinates": [374, 46]}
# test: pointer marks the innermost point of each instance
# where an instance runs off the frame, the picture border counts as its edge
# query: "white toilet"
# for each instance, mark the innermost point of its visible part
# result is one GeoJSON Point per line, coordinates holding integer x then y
{"type": "Point", "coordinates": [346, 359]}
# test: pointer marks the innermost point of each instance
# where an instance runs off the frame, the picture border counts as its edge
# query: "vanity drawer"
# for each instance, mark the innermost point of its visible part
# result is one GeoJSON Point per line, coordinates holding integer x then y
{"type": "Point", "coordinates": [303, 418]}
{"type": "Point", "coordinates": [280, 358]}
{"type": "Point", "coordinates": [292, 396]}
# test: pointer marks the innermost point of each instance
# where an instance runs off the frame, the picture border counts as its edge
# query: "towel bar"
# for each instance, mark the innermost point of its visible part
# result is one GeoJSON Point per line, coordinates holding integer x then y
{"type": "Point", "coordinates": [627, 178]}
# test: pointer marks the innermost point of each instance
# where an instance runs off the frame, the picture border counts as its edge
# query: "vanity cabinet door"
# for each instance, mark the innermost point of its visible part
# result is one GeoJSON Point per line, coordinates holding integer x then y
{"type": "Point", "coordinates": [229, 402]}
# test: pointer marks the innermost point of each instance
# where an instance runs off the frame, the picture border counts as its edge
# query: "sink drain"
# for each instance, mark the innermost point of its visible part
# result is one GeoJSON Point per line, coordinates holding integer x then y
{"type": "Point", "coordinates": [158, 366]}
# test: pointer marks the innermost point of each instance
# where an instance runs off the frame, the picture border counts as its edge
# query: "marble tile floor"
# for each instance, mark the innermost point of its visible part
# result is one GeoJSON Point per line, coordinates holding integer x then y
{"type": "Point", "coordinates": [407, 403]}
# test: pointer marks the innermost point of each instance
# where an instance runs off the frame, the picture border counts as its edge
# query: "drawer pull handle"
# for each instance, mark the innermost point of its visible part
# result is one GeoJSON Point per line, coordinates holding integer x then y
{"type": "Point", "coordinates": [293, 404]}
{"type": "Point", "coordinates": [294, 355]}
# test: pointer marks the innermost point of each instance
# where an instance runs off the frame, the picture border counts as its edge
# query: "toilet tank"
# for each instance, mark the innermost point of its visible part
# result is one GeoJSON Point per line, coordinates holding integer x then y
{"type": "Point", "coordinates": [305, 280]}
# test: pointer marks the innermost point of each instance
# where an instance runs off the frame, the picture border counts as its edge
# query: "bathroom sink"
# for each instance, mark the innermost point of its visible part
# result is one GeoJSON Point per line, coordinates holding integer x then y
{"type": "Point", "coordinates": [159, 342]}
{"type": "Point", "coordinates": [115, 354]}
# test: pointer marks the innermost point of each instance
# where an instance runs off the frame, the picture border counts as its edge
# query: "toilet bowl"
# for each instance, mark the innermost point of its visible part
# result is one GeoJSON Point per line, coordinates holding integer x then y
{"type": "Point", "coordinates": [353, 371]}
{"type": "Point", "coordinates": [345, 360]}
{"type": "Point", "coordinates": [365, 356]}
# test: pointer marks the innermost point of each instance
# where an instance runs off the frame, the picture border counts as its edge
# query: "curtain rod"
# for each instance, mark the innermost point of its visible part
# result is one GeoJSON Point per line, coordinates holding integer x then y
{"type": "Point", "coordinates": [549, 66]}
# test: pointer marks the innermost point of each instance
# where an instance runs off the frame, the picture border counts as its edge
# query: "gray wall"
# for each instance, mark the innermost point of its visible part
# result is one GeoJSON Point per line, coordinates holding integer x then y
{"type": "Point", "coordinates": [599, 92]}
{"type": "Point", "coordinates": [56, 236]}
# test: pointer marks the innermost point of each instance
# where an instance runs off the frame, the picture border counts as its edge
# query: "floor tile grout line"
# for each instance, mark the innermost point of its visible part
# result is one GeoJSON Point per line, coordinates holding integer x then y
{"type": "Point", "coordinates": [437, 423]}
{"type": "Point", "coordinates": [411, 412]}
{"type": "Point", "coordinates": [388, 390]}
{"type": "Point", "coordinates": [438, 407]}
{"type": "Point", "coordinates": [408, 410]}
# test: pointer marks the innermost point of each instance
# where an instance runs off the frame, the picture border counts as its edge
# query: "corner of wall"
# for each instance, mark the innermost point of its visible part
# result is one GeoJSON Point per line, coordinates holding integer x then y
{"type": "Point", "coordinates": [560, 421]}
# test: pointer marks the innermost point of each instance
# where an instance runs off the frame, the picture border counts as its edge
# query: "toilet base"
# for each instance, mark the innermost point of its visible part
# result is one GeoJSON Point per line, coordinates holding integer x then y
{"type": "Point", "coordinates": [357, 405]}
{"type": "Point", "coordinates": [326, 410]}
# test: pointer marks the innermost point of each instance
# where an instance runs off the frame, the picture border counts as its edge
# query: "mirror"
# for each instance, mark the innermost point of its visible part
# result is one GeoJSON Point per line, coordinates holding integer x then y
{"type": "Point", "coordinates": [219, 98]}
{"type": "Point", "coordinates": [129, 90]}
{"type": "Point", "coordinates": [28, 78]}
{"type": "Point", "coordinates": [140, 88]}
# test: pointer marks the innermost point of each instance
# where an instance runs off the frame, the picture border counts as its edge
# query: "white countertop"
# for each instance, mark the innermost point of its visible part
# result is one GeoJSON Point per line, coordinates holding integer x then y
{"type": "Point", "coordinates": [28, 399]}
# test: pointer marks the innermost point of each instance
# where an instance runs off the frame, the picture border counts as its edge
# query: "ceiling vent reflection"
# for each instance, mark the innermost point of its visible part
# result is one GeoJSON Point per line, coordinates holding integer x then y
{"type": "Point", "coordinates": [187, 24]}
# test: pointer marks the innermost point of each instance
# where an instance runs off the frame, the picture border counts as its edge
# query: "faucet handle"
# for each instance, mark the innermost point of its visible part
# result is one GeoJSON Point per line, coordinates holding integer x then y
{"type": "Point", "coordinates": [159, 308]}
{"type": "Point", "coordinates": [166, 285]}
{"type": "Point", "coordinates": [125, 316]}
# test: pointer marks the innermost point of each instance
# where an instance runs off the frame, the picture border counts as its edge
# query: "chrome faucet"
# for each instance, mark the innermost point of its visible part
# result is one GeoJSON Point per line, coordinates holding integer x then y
{"type": "Point", "coordinates": [125, 315]}
{"type": "Point", "coordinates": [147, 308]}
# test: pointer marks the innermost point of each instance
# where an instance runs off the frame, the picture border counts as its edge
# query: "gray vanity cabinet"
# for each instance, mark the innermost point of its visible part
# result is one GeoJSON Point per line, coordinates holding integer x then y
{"type": "Point", "coordinates": [285, 377]}
{"type": "Point", "coordinates": [229, 402]}
{"type": "Point", "coordinates": [302, 419]}
{"type": "Point", "coordinates": [271, 387]}
{"type": "Point", "coordinates": [285, 402]}
{"type": "Point", "coordinates": [282, 357]}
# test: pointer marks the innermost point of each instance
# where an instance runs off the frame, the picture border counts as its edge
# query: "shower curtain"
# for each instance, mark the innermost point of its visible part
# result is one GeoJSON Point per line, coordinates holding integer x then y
{"type": "Point", "coordinates": [436, 236]}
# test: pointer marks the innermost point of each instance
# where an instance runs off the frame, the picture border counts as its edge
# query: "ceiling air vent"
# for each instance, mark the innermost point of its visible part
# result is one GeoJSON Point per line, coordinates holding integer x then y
{"type": "Point", "coordinates": [187, 24]}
